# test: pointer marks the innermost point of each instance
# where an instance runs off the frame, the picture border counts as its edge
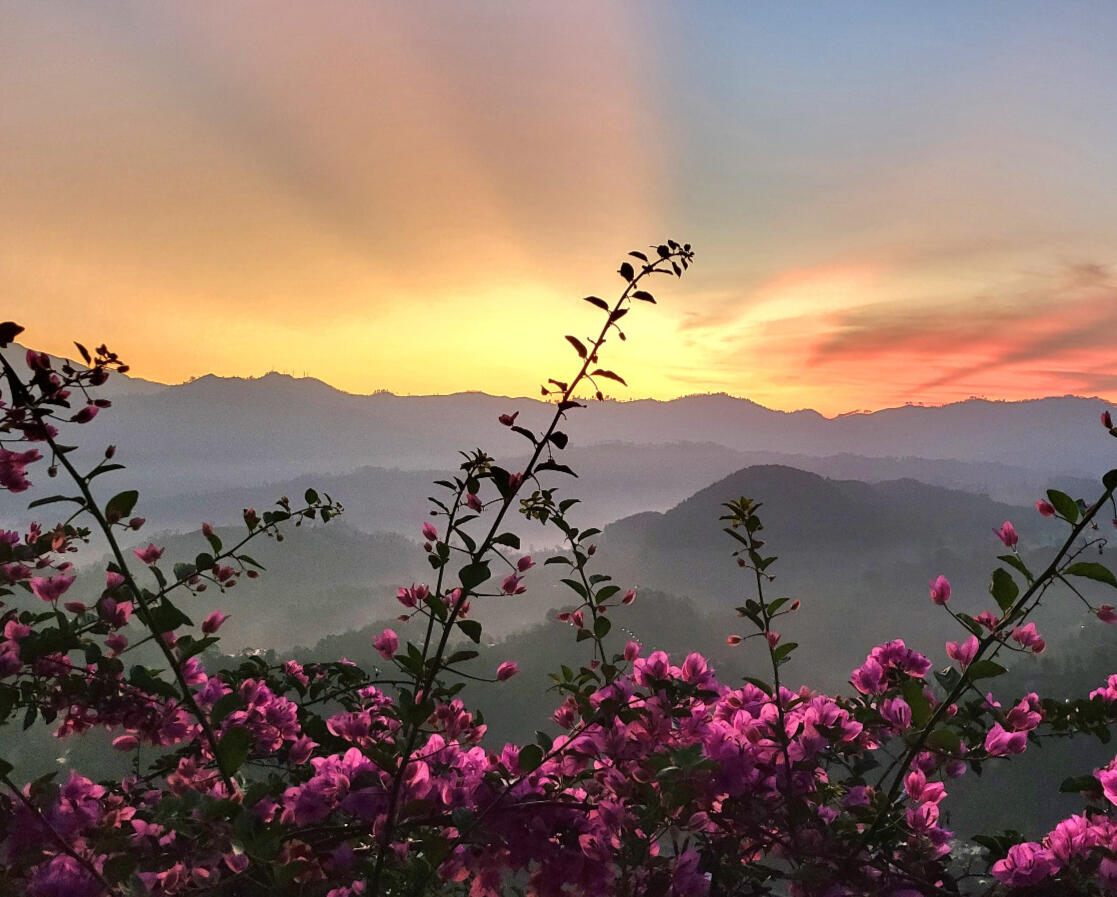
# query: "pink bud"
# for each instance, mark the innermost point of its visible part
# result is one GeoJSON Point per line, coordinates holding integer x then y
{"type": "Point", "coordinates": [628, 597]}
{"type": "Point", "coordinates": [75, 607]}
{"type": "Point", "coordinates": [940, 590]}
{"type": "Point", "coordinates": [1045, 508]}
{"type": "Point", "coordinates": [1007, 534]}
{"type": "Point", "coordinates": [1106, 614]}
{"type": "Point", "coordinates": [506, 670]}
{"type": "Point", "coordinates": [515, 481]}
{"type": "Point", "coordinates": [1106, 420]}
{"type": "Point", "coordinates": [213, 622]}
{"type": "Point", "coordinates": [631, 651]}
{"type": "Point", "coordinates": [524, 564]}
{"type": "Point", "coordinates": [85, 415]}
{"type": "Point", "coordinates": [733, 640]}
{"type": "Point", "coordinates": [473, 502]}
{"type": "Point", "coordinates": [773, 639]}
{"type": "Point", "coordinates": [508, 419]}
{"type": "Point", "coordinates": [430, 533]}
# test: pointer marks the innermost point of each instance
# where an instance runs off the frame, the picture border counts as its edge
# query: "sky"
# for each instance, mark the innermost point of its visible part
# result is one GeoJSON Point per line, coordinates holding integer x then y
{"type": "Point", "coordinates": [889, 202]}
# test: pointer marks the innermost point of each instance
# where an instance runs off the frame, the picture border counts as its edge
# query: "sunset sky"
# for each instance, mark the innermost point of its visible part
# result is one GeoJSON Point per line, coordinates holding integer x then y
{"type": "Point", "coordinates": [889, 202]}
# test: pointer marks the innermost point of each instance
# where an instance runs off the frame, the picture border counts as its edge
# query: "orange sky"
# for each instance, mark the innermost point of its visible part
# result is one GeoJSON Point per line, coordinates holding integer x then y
{"type": "Point", "coordinates": [886, 207]}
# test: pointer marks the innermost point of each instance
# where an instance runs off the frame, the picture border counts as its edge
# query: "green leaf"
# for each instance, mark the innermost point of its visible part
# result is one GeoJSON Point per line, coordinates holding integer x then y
{"type": "Point", "coordinates": [597, 303]}
{"type": "Point", "coordinates": [601, 627]}
{"type": "Point", "coordinates": [472, 575]}
{"type": "Point", "coordinates": [509, 539]}
{"type": "Point", "coordinates": [531, 756]}
{"type": "Point", "coordinates": [311, 497]}
{"type": "Point", "coordinates": [1003, 588]}
{"type": "Point", "coordinates": [121, 504]}
{"type": "Point", "coordinates": [472, 629]}
{"type": "Point", "coordinates": [626, 271]}
{"type": "Point", "coordinates": [1064, 504]}
{"type": "Point", "coordinates": [1079, 784]}
{"type": "Point", "coordinates": [233, 749]}
{"type": "Point", "coordinates": [5, 767]}
{"type": "Point", "coordinates": [1096, 572]}
{"type": "Point", "coordinates": [167, 618]}
{"type": "Point", "coordinates": [1013, 561]}
{"type": "Point", "coordinates": [912, 690]}
{"type": "Point", "coordinates": [225, 705]}
{"type": "Point", "coordinates": [644, 296]}
{"type": "Point", "coordinates": [984, 669]}
{"type": "Point", "coordinates": [781, 653]}
{"type": "Point", "coordinates": [759, 683]}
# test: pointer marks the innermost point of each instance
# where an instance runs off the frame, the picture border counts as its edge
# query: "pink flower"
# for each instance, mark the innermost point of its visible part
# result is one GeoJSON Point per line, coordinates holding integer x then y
{"type": "Point", "coordinates": [508, 419]}
{"type": "Point", "coordinates": [515, 481]}
{"type": "Point", "coordinates": [117, 643]}
{"type": "Point", "coordinates": [1026, 715]}
{"type": "Point", "coordinates": [524, 564]}
{"type": "Point", "coordinates": [1026, 864]}
{"type": "Point", "coordinates": [773, 639]}
{"type": "Point", "coordinates": [511, 585]}
{"type": "Point", "coordinates": [1027, 637]}
{"type": "Point", "coordinates": [987, 619]}
{"type": "Point", "coordinates": [213, 622]}
{"type": "Point", "coordinates": [50, 588]}
{"type": "Point", "coordinates": [963, 653]}
{"type": "Point", "coordinates": [506, 670]}
{"type": "Point", "coordinates": [387, 643]}
{"type": "Point", "coordinates": [13, 476]}
{"type": "Point", "coordinates": [628, 597]}
{"type": "Point", "coordinates": [631, 651]}
{"type": "Point", "coordinates": [1045, 508]}
{"type": "Point", "coordinates": [940, 590]}
{"type": "Point", "coordinates": [430, 533]}
{"type": "Point", "coordinates": [115, 613]}
{"type": "Point", "coordinates": [869, 677]}
{"type": "Point", "coordinates": [1106, 614]}
{"type": "Point", "coordinates": [410, 597]}
{"type": "Point", "coordinates": [1007, 534]}
{"type": "Point", "coordinates": [473, 502]}
{"type": "Point", "coordinates": [148, 555]}
{"type": "Point", "coordinates": [999, 743]}
{"type": "Point", "coordinates": [1108, 779]}
{"type": "Point", "coordinates": [113, 580]}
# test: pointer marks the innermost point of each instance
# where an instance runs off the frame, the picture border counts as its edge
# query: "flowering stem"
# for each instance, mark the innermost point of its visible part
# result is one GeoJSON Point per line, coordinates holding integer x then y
{"type": "Point", "coordinates": [992, 639]}
{"type": "Point", "coordinates": [137, 592]}
{"type": "Point", "coordinates": [590, 357]}
{"type": "Point", "coordinates": [62, 842]}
